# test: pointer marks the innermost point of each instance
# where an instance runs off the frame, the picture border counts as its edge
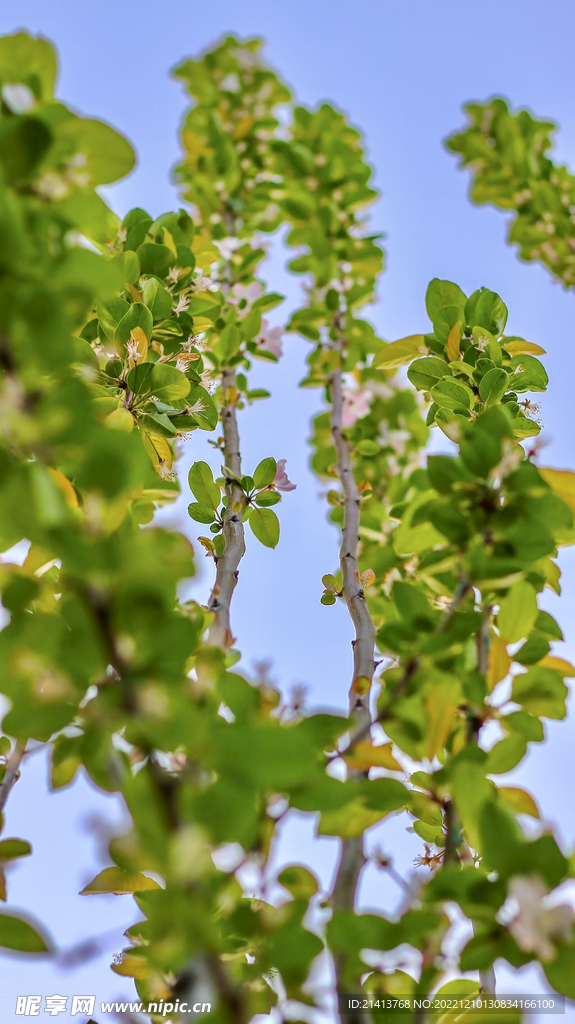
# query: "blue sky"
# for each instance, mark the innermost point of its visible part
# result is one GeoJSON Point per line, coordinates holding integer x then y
{"type": "Point", "coordinates": [401, 72]}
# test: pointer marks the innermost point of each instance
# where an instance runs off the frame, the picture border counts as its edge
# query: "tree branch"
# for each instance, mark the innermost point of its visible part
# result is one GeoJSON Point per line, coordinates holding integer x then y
{"type": "Point", "coordinates": [352, 854]}
{"type": "Point", "coordinates": [220, 633]}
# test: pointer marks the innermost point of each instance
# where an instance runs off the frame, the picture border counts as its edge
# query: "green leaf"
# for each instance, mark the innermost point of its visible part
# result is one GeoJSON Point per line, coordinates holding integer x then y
{"type": "Point", "coordinates": [264, 473]}
{"type": "Point", "coordinates": [490, 312]}
{"type": "Point", "coordinates": [330, 582]}
{"type": "Point", "coordinates": [138, 315]}
{"type": "Point", "coordinates": [23, 54]}
{"type": "Point", "coordinates": [251, 324]}
{"type": "Point", "coordinates": [424, 373]}
{"type": "Point", "coordinates": [265, 526]}
{"type": "Point", "coordinates": [23, 143]}
{"type": "Point", "coordinates": [367, 447]}
{"type": "Point", "coordinates": [560, 971]}
{"type": "Point", "coordinates": [399, 353]}
{"type": "Point", "coordinates": [328, 597]}
{"type": "Point", "coordinates": [452, 394]}
{"type": "Point", "coordinates": [267, 498]}
{"type": "Point", "coordinates": [119, 882]}
{"type": "Point", "coordinates": [506, 755]}
{"type": "Point", "coordinates": [299, 881]}
{"type": "Point", "coordinates": [155, 259]}
{"type": "Point", "coordinates": [444, 293]}
{"type": "Point", "coordinates": [167, 383]}
{"type": "Point", "coordinates": [157, 423]}
{"type": "Point", "coordinates": [229, 342]}
{"type": "Point", "coordinates": [202, 485]}
{"type": "Point", "coordinates": [493, 386]}
{"type": "Point", "coordinates": [444, 320]}
{"type": "Point", "coordinates": [110, 313]}
{"type": "Point", "coordinates": [201, 513]}
{"type": "Point", "coordinates": [541, 691]}
{"type": "Point", "coordinates": [157, 299]}
{"type": "Point", "coordinates": [109, 156]}
{"type": "Point", "coordinates": [15, 933]}
{"type": "Point", "coordinates": [11, 848]}
{"type": "Point", "coordinates": [517, 612]}
{"type": "Point", "coordinates": [268, 301]}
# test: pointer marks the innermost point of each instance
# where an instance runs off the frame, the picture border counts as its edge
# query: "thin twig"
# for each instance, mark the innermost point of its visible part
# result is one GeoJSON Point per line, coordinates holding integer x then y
{"type": "Point", "coordinates": [352, 854]}
{"type": "Point", "coordinates": [220, 633]}
{"type": "Point", "coordinates": [12, 773]}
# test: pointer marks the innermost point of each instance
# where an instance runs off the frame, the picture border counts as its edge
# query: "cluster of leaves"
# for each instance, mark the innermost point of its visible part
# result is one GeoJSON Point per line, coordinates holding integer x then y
{"type": "Point", "coordinates": [453, 557]}
{"type": "Point", "coordinates": [228, 137]}
{"type": "Point", "coordinates": [470, 364]}
{"type": "Point", "coordinates": [258, 495]}
{"type": "Point", "coordinates": [507, 154]}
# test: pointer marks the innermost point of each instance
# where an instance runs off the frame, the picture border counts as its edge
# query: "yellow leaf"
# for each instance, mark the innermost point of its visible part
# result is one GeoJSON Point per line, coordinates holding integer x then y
{"type": "Point", "coordinates": [134, 292]}
{"type": "Point", "coordinates": [399, 353]}
{"type": "Point", "coordinates": [452, 350]}
{"type": "Point", "coordinates": [440, 711]}
{"type": "Point", "coordinates": [118, 882]}
{"type": "Point", "coordinates": [519, 801]}
{"type": "Point", "coordinates": [368, 577]}
{"type": "Point", "coordinates": [204, 251]}
{"type": "Point", "coordinates": [158, 449]}
{"type": "Point", "coordinates": [65, 486]}
{"type": "Point", "coordinates": [169, 242]}
{"type": "Point", "coordinates": [242, 127]}
{"type": "Point", "coordinates": [558, 664]}
{"type": "Point", "coordinates": [350, 820]}
{"type": "Point", "coordinates": [519, 347]}
{"type": "Point", "coordinates": [194, 145]}
{"type": "Point", "coordinates": [562, 482]}
{"type": "Point", "coordinates": [201, 323]}
{"type": "Point", "coordinates": [121, 419]}
{"type": "Point", "coordinates": [364, 755]}
{"type": "Point", "coordinates": [133, 967]}
{"type": "Point", "coordinates": [499, 661]}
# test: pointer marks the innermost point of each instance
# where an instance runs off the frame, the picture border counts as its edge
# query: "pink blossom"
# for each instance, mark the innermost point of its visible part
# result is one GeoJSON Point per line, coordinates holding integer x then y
{"type": "Point", "coordinates": [250, 292]}
{"type": "Point", "coordinates": [281, 480]}
{"type": "Point", "coordinates": [355, 406]}
{"type": "Point", "coordinates": [270, 338]}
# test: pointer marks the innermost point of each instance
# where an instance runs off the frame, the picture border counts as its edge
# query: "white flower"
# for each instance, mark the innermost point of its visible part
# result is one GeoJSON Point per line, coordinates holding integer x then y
{"type": "Point", "coordinates": [174, 273]}
{"type": "Point", "coordinates": [270, 339]}
{"type": "Point", "coordinates": [132, 350]}
{"type": "Point", "coordinates": [247, 293]}
{"type": "Point", "coordinates": [203, 283]}
{"type": "Point", "coordinates": [164, 471]}
{"type": "Point", "coordinates": [182, 304]}
{"type": "Point", "coordinates": [18, 97]}
{"type": "Point", "coordinates": [196, 408]}
{"type": "Point", "coordinates": [189, 343]}
{"type": "Point", "coordinates": [281, 479]}
{"type": "Point", "coordinates": [230, 83]}
{"type": "Point", "coordinates": [208, 381]}
{"type": "Point", "coordinates": [182, 364]}
{"type": "Point", "coordinates": [51, 185]}
{"type": "Point", "coordinates": [76, 170]}
{"type": "Point", "coordinates": [355, 406]}
{"type": "Point", "coordinates": [389, 579]}
{"type": "Point", "coordinates": [536, 922]}
{"type": "Point", "coordinates": [227, 246]}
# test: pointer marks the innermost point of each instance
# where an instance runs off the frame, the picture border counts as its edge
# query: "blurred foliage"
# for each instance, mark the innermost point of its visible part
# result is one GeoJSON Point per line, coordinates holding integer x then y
{"type": "Point", "coordinates": [114, 338]}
